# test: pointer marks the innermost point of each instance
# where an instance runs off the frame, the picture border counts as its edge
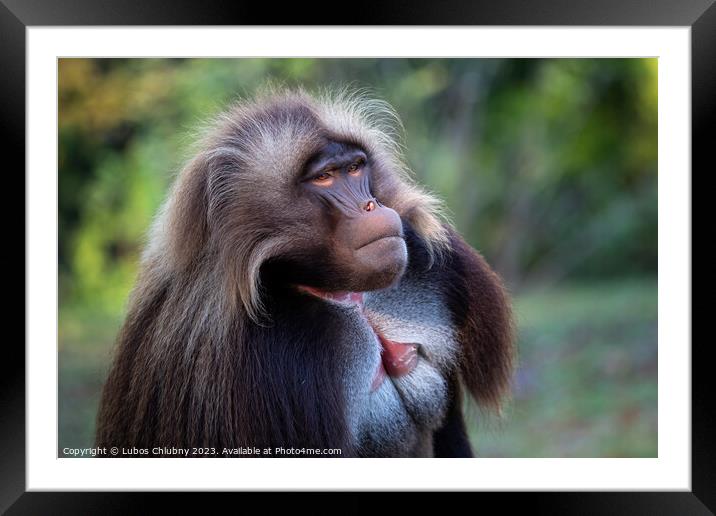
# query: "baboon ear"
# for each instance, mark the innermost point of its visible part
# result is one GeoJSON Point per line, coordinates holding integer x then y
{"type": "Point", "coordinates": [186, 221]}
{"type": "Point", "coordinates": [485, 330]}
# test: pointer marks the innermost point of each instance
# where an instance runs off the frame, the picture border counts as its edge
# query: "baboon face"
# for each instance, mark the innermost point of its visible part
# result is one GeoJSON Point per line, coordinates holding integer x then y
{"type": "Point", "coordinates": [354, 242]}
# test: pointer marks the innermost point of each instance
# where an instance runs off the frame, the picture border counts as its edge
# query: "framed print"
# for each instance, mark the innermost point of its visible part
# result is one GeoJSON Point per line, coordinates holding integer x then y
{"type": "Point", "coordinates": [455, 253]}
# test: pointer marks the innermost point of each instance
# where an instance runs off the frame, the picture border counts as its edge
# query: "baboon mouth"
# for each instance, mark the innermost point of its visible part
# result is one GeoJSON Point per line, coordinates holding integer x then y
{"type": "Point", "coordinates": [342, 297]}
{"type": "Point", "coordinates": [379, 239]}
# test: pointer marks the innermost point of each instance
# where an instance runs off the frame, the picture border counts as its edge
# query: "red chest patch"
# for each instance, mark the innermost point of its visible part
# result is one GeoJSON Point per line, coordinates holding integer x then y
{"type": "Point", "coordinates": [397, 359]}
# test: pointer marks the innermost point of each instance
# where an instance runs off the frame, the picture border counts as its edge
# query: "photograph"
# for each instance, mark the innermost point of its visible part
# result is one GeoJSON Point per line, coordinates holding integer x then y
{"type": "Point", "coordinates": [357, 257]}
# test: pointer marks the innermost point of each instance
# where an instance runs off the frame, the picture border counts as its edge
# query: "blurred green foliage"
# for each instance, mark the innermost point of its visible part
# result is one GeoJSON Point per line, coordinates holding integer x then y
{"type": "Point", "coordinates": [586, 385]}
{"type": "Point", "coordinates": [547, 165]}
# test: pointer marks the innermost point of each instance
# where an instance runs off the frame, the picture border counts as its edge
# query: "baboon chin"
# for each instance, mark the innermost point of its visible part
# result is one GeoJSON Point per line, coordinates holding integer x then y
{"type": "Point", "coordinates": [299, 289]}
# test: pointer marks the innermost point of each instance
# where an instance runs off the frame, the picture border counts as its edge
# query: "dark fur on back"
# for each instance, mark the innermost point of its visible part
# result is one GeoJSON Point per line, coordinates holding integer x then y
{"type": "Point", "coordinates": [482, 315]}
{"type": "Point", "coordinates": [276, 386]}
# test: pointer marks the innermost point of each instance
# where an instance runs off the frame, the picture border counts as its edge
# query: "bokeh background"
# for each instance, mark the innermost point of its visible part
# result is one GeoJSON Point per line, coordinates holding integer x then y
{"type": "Point", "coordinates": [547, 165]}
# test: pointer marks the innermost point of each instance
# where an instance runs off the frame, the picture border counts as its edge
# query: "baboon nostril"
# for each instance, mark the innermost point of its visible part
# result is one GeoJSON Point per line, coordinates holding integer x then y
{"type": "Point", "coordinates": [370, 206]}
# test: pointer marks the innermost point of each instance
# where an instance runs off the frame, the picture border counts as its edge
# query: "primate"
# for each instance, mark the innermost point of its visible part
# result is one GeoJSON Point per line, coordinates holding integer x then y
{"type": "Point", "coordinates": [300, 290]}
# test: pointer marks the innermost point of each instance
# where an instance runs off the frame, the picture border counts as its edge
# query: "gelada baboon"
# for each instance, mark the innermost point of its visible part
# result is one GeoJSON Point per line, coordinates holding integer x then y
{"type": "Point", "coordinates": [299, 290]}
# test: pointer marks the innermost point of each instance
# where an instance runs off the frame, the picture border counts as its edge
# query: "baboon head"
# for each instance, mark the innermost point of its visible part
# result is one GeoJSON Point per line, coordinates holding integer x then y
{"type": "Point", "coordinates": [312, 188]}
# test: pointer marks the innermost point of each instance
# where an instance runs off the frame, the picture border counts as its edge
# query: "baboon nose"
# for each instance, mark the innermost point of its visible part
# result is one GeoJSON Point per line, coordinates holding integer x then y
{"type": "Point", "coordinates": [370, 206]}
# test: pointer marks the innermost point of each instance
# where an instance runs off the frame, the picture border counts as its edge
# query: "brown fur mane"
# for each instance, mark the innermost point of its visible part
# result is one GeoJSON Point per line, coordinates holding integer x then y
{"type": "Point", "coordinates": [189, 360]}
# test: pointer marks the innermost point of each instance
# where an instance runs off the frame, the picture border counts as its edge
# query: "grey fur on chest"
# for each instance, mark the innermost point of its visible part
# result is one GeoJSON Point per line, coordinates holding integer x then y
{"type": "Point", "coordinates": [398, 418]}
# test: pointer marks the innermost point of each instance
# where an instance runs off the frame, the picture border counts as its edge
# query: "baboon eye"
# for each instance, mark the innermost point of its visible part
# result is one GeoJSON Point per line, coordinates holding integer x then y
{"type": "Point", "coordinates": [355, 168]}
{"type": "Point", "coordinates": [323, 179]}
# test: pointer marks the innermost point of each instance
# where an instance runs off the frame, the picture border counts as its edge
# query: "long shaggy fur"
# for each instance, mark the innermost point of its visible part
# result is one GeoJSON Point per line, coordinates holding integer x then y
{"type": "Point", "coordinates": [202, 360]}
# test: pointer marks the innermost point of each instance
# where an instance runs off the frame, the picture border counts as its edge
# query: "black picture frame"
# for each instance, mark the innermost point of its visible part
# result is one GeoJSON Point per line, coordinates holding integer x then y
{"type": "Point", "coordinates": [17, 15]}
